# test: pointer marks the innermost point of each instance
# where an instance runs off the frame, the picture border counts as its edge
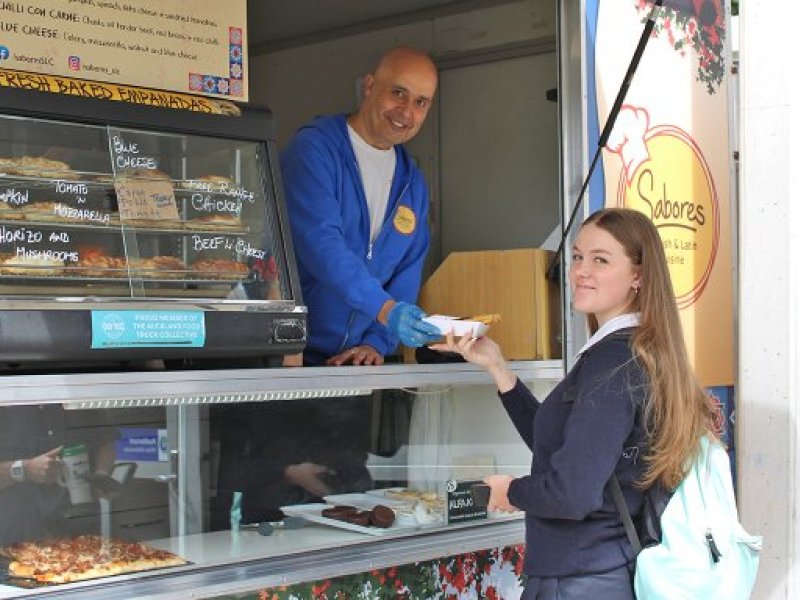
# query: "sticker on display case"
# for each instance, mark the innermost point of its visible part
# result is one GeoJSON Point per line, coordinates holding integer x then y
{"type": "Point", "coordinates": [142, 444]}
{"type": "Point", "coordinates": [147, 328]}
{"type": "Point", "coordinates": [462, 504]}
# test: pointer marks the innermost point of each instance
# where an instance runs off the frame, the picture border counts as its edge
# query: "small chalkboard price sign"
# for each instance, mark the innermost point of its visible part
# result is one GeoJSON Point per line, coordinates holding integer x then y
{"type": "Point", "coordinates": [146, 199]}
{"type": "Point", "coordinates": [461, 502]}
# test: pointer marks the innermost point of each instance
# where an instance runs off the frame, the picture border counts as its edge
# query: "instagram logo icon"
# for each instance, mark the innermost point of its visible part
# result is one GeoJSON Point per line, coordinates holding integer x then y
{"type": "Point", "coordinates": [74, 63]}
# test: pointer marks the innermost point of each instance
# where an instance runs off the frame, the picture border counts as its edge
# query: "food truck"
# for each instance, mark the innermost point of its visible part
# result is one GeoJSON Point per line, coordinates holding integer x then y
{"type": "Point", "coordinates": [149, 288]}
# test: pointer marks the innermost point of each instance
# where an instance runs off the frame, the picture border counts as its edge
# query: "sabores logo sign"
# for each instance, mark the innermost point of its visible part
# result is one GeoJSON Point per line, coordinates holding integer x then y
{"type": "Point", "coordinates": [666, 177]}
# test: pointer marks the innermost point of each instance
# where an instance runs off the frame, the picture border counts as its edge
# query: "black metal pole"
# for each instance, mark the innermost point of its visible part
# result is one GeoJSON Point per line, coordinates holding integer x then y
{"type": "Point", "coordinates": [554, 269]}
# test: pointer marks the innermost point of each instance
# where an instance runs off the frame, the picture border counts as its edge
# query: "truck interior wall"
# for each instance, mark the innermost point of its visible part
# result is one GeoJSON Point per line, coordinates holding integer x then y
{"type": "Point", "coordinates": [499, 158]}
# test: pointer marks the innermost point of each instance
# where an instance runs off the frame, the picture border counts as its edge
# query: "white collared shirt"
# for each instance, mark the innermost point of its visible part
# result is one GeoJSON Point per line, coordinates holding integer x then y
{"type": "Point", "coordinates": [619, 322]}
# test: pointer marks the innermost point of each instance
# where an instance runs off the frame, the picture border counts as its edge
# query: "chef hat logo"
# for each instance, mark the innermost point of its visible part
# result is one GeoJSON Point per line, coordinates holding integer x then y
{"type": "Point", "coordinates": [628, 139]}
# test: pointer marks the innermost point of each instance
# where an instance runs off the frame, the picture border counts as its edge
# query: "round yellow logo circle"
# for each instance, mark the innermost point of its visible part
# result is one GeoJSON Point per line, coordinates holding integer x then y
{"type": "Point", "coordinates": [674, 188]}
{"type": "Point", "coordinates": [405, 221]}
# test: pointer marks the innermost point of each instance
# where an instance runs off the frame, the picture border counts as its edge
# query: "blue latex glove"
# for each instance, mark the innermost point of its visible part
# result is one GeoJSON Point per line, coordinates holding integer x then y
{"type": "Point", "coordinates": [405, 321]}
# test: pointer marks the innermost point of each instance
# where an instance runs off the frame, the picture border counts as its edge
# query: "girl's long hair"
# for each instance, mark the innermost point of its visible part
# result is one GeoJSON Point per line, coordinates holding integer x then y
{"type": "Point", "coordinates": [677, 411]}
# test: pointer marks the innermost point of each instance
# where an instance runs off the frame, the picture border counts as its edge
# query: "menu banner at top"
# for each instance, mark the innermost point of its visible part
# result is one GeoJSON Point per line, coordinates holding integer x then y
{"type": "Point", "coordinates": [194, 46]}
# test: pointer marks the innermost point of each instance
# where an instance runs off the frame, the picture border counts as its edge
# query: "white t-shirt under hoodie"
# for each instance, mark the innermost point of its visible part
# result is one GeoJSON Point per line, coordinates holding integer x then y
{"type": "Point", "coordinates": [377, 171]}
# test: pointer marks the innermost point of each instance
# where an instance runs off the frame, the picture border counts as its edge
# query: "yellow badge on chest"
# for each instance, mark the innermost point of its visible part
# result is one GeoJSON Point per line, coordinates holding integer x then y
{"type": "Point", "coordinates": [405, 221]}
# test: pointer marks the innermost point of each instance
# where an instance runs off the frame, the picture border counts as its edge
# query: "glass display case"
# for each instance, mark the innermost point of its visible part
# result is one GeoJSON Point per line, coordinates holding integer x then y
{"type": "Point", "coordinates": [130, 232]}
{"type": "Point", "coordinates": [214, 482]}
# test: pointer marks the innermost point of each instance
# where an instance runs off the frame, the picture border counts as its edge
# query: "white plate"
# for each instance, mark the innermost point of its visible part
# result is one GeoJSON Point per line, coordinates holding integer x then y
{"type": "Point", "coordinates": [459, 327]}
{"type": "Point", "coordinates": [313, 513]}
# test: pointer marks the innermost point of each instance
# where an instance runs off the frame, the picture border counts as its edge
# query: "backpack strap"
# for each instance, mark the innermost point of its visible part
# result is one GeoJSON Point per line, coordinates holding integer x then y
{"type": "Point", "coordinates": [622, 507]}
{"type": "Point", "coordinates": [616, 489]}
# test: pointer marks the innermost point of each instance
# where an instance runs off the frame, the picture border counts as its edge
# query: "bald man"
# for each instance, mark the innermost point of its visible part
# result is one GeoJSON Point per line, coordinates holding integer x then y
{"type": "Point", "coordinates": [358, 208]}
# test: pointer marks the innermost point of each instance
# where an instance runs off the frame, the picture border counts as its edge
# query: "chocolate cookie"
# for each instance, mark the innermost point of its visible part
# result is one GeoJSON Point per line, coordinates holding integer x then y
{"type": "Point", "coordinates": [381, 516]}
{"type": "Point", "coordinates": [339, 512]}
{"type": "Point", "coordinates": [359, 518]}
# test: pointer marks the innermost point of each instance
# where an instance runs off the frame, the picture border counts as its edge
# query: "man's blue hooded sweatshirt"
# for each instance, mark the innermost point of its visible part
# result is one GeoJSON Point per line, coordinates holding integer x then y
{"type": "Point", "coordinates": [345, 279]}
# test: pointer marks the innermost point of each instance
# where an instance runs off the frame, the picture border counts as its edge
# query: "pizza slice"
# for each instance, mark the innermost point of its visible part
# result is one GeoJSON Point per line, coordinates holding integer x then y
{"type": "Point", "coordinates": [84, 557]}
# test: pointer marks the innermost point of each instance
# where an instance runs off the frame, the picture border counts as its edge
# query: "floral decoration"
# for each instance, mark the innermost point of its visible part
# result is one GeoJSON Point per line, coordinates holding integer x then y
{"type": "Point", "coordinates": [210, 84]}
{"type": "Point", "coordinates": [237, 88]}
{"type": "Point", "coordinates": [697, 25]}
{"type": "Point", "coordinates": [195, 82]}
{"type": "Point", "coordinates": [492, 574]}
{"type": "Point", "coordinates": [232, 85]}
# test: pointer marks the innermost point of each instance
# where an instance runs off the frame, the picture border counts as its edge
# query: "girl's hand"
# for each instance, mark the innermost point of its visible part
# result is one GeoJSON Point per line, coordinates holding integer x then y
{"type": "Point", "coordinates": [498, 496]}
{"type": "Point", "coordinates": [482, 351]}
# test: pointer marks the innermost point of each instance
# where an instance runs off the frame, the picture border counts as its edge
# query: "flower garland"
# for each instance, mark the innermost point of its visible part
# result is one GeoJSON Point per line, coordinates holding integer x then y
{"type": "Point", "coordinates": [492, 574]}
{"type": "Point", "coordinates": [695, 24]}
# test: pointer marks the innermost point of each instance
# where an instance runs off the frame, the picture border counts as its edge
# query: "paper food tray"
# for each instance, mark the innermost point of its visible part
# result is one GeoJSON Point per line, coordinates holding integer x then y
{"type": "Point", "coordinates": [459, 327]}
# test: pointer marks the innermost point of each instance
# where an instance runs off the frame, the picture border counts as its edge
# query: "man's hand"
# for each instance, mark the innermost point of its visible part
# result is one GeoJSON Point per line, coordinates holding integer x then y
{"type": "Point", "coordinates": [308, 476]}
{"type": "Point", "coordinates": [405, 321]}
{"type": "Point", "coordinates": [45, 468]}
{"type": "Point", "coordinates": [357, 355]}
{"type": "Point", "coordinates": [293, 360]}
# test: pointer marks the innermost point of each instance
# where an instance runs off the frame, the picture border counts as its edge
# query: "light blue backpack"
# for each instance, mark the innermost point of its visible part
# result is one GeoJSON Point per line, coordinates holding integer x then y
{"type": "Point", "coordinates": [704, 553]}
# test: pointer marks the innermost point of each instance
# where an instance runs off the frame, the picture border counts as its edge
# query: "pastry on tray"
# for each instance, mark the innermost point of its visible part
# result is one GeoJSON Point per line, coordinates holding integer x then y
{"type": "Point", "coordinates": [209, 183]}
{"type": "Point", "coordinates": [100, 265]}
{"type": "Point", "coordinates": [214, 219]}
{"type": "Point", "coordinates": [9, 212]}
{"type": "Point", "coordinates": [150, 174]}
{"type": "Point", "coordinates": [31, 265]}
{"type": "Point", "coordinates": [159, 267]}
{"type": "Point", "coordinates": [105, 178]}
{"type": "Point", "coordinates": [43, 211]}
{"type": "Point", "coordinates": [162, 223]}
{"type": "Point", "coordinates": [218, 268]}
{"type": "Point", "coordinates": [38, 166]}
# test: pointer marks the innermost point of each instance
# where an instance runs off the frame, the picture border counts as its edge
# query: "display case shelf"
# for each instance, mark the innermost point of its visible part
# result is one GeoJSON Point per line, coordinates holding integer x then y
{"type": "Point", "coordinates": [179, 278]}
{"type": "Point", "coordinates": [87, 390]}
{"type": "Point", "coordinates": [181, 228]}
